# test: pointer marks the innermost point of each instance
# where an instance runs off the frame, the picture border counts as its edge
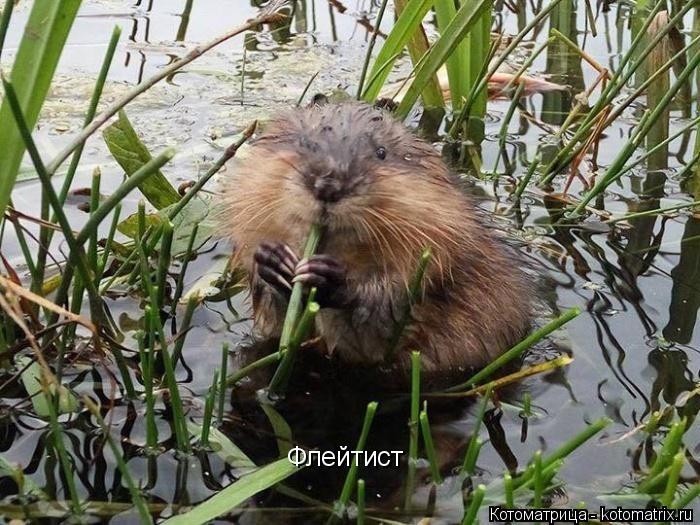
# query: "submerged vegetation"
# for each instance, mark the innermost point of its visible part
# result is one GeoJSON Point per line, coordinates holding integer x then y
{"type": "Point", "coordinates": [61, 325]}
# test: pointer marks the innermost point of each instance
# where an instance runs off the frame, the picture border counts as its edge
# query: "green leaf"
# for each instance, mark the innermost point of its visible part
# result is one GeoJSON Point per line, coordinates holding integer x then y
{"type": "Point", "coordinates": [404, 28]}
{"type": "Point", "coordinates": [224, 447]}
{"type": "Point", "coordinates": [440, 51]}
{"type": "Point", "coordinates": [31, 379]}
{"type": "Point", "coordinates": [131, 154]}
{"type": "Point", "coordinates": [41, 46]}
{"type": "Point", "coordinates": [236, 493]}
{"type": "Point", "coordinates": [280, 427]}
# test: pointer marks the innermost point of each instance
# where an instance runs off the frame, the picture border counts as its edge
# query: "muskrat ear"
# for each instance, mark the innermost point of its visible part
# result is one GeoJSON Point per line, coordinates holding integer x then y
{"type": "Point", "coordinates": [319, 100]}
{"type": "Point", "coordinates": [386, 104]}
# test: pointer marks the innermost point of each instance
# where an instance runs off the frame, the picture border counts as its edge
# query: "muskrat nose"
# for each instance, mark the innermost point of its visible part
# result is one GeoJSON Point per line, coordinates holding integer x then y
{"type": "Point", "coordinates": [327, 189]}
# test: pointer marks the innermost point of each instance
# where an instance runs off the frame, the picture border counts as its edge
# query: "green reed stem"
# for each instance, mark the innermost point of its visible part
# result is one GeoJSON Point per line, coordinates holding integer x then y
{"type": "Point", "coordinates": [656, 211]}
{"type": "Point", "coordinates": [209, 408]}
{"type": "Point", "coordinates": [92, 109]}
{"type": "Point", "coordinates": [517, 350]}
{"type": "Point", "coordinates": [526, 179]}
{"type": "Point", "coordinates": [24, 246]}
{"type": "Point", "coordinates": [106, 251]}
{"type": "Point", "coordinates": [146, 358]}
{"type": "Point", "coordinates": [508, 490]}
{"type": "Point", "coordinates": [483, 82]}
{"type": "Point", "coordinates": [671, 445]}
{"type": "Point", "coordinates": [189, 255]}
{"type": "Point", "coordinates": [472, 453]}
{"type": "Point", "coordinates": [687, 498]}
{"type": "Point", "coordinates": [164, 258]}
{"type": "Point", "coordinates": [474, 506]}
{"type": "Point", "coordinates": [5, 17]}
{"type": "Point", "coordinates": [75, 247]}
{"type": "Point", "coordinates": [614, 172]}
{"type": "Point", "coordinates": [413, 429]}
{"type": "Point", "coordinates": [284, 370]}
{"type": "Point", "coordinates": [673, 476]}
{"type": "Point", "coordinates": [538, 481]}
{"type": "Point", "coordinates": [59, 446]}
{"type": "Point", "coordinates": [246, 370]}
{"type": "Point", "coordinates": [136, 497]}
{"type": "Point", "coordinates": [412, 296]}
{"type": "Point", "coordinates": [192, 304]}
{"type": "Point", "coordinates": [306, 323]}
{"type": "Point", "coordinates": [104, 209]}
{"type": "Point", "coordinates": [94, 203]}
{"type": "Point", "coordinates": [179, 423]}
{"type": "Point", "coordinates": [361, 502]}
{"type": "Point", "coordinates": [429, 446]}
{"type": "Point", "coordinates": [503, 132]}
{"type": "Point", "coordinates": [222, 384]}
{"type": "Point", "coordinates": [340, 507]}
{"type": "Point", "coordinates": [370, 48]}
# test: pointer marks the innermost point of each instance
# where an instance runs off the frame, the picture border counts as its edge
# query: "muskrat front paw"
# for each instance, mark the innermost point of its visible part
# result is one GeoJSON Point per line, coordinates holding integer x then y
{"type": "Point", "coordinates": [275, 265]}
{"type": "Point", "coordinates": [328, 275]}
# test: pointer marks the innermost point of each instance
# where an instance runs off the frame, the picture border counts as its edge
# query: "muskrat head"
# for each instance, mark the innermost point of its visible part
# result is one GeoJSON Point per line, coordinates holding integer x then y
{"type": "Point", "coordinates": [350, 166]}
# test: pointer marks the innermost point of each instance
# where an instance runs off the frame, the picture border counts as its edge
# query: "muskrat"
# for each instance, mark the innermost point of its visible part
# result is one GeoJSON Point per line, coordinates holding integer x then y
{"type": "Point", "coordinates": [382, 195]}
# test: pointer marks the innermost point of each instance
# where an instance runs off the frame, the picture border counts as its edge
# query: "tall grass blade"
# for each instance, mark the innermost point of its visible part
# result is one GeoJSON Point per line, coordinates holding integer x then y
{"type": "Point", "coordinates": [41, 46]}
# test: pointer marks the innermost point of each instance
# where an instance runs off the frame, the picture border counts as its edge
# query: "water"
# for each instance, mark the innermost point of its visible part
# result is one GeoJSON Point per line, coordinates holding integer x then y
{"type": "Point", "coordinates": [635, 346]}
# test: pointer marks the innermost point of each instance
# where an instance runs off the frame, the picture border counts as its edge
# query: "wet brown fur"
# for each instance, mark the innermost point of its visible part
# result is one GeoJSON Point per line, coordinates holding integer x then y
{"type": "Point", "coordinates": [475, 301]}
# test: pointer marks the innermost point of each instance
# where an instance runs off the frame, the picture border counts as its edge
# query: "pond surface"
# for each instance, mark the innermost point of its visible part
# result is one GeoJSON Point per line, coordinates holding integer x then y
{"type": "Point", "coordinates": [635, 346]}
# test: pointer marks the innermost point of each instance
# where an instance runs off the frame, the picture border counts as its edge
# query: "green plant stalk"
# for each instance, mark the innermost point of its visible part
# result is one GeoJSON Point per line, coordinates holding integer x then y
{"type": "Point", "coordinates": [284, 370]}
{"type": "Point", "coordinates": [517, 350]}
{"type": "Point", "coordinates": [457, 64]}
{"type": "Point", "coordinates": [209, 409]}
{"type": "Point", "coordinates": [35, 63]}
{"type": "Point", "coordinates": [503, 132]}
{"type": "Point", "coordinates": [136, 496]}
{"type": "Point", "coordinates": [405, 26]}
{"type": "Point", "coordinates": [179, 425]}
{"type": "Point", "coordinates": [141, 221]}
{"type": "Point", "coordinates": [656, 211]}
{"type": "Point", "coordinates": [189, 255]}
{"type": "Point", "coordinates": [474, 506]}
{"type": "Point", "coordinates": [478, 40]}
{"type": "Point", "coordinates": [94, 203]}
{"type": "Point", "coordinates": [614, 172]}
{"type": "Point", "coordinates": [222, 384]}
{"type": "Point", "coordinates": [508, 489]}
{"type": "Point", "coordinates": [146, 359]}
{"type": "Point", "coordinates": [471, 457]}
{"type": "Point", "coordinates": [528, 176]}
{"type": "Point", "coordinates": [92, 109]}
{"type": "Point", "coordinates": [370, 48]}
{"type": "Point", "coordinates": [22, 241]}
{"type": "Point", "coordinates": [60, 448]}
{"type": "Point", "coordinates": [564, 450]}
{"type": "Point", "coordinates": [106, 251]}
{"type": "Point", "coordinates": [687, 498]}
{"type": "Point", "coordinates": [164, 258]}
{"type": "Point", "coordinates": [361, 502]}
{"type": "Point", "coordinates": [430, 447]}
{"type": "Point", "coordinates": [5, 17]}
{"type": "Point", "coordinates": [467, 16]}
{"type": "Point", "coordinates": [673, 476]}
{"type": "Point", "coordinates": [472, 450]}
{"type": "Point", "coordinates": [152, 235]}
{"type": "Point", "coordinates": [80, 258]}
{"type": "Point", "coordinates": [413, 429]}
{"type": "Point", "coordinates": [483, 82]}
{"type": "Point", "coordinates": [105, 208]}
{"type": "Point", "coordinates": [306, 323]}
{"type": "Point", "coordinates": [351, 477]}
{"type": "Point", "coordinates": [192, 304]}
{"type": "Point", "coordinates": [412, 295]}
{"type": "Point", "coordinates": [671, 446]}
{"type": "Point", "coordinates": [615, 85]}
{"type": "Point", "coordinates": [538, 480]}
{"type": "Point", "coordinates": [246, 370]}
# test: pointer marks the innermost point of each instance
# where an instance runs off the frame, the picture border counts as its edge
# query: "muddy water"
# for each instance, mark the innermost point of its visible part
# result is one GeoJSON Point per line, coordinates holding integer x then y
{"type": "Point", "coordinates": [635, 346]}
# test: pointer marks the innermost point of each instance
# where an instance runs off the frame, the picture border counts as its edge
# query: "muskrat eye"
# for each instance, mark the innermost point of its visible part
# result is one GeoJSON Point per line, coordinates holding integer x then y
{"type": "Point", "coordinates": [381, 153]}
